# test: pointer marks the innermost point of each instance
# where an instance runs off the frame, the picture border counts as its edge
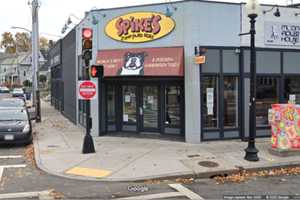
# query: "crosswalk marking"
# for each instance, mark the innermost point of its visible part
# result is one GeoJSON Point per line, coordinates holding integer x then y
{"type": "Point", "coordinates": [181, 192]}
{"type": "Point", "coordinates": [2, 167]}
{"type": "Point", "coordinates": [186, 192]}
{"type": "Point", "coordinates": [40, 194]}
{"type": "Point", "coordinates": [153, 196]}
{"type": "Point", "coordinates": [10, 157]}
{"type": "Point", "coordinates": [1, 173]}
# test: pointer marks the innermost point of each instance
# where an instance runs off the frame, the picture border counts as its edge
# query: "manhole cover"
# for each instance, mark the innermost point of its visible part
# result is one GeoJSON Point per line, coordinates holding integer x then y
{"type": "Point", "coordinates": [208, 164]}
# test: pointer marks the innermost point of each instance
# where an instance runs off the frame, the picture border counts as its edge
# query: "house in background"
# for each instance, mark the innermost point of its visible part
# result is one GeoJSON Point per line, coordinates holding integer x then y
{"type": "Point", "coordinates": [16, 68]}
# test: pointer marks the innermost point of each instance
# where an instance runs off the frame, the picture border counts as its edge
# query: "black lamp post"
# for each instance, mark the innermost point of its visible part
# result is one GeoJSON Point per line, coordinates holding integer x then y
{"type": "Point", "coordinates": [252, 7]}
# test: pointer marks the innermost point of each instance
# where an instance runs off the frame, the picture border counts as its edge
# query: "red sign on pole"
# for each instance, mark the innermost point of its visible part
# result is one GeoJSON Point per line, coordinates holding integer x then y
{"type": "Point", "coordinates": [87, 90]}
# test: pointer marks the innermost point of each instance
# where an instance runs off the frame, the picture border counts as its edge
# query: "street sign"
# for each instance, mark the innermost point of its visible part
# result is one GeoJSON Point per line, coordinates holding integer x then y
{"type": "Point", "coordinates": [87, 90]}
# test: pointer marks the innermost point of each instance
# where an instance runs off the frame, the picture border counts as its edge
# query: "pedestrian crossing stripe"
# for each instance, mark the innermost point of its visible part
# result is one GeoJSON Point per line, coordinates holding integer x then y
{"type": "Point", "coordinates": [90, 172]}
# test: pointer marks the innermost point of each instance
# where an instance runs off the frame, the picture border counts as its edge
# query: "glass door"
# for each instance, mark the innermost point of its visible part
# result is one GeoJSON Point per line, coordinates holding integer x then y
{"type": "Point", "coordinates": [173, 101]}
{"type": "Point", "coordinates": [129, 118]}
{"type": "Point", "coordinates": [149, 108]}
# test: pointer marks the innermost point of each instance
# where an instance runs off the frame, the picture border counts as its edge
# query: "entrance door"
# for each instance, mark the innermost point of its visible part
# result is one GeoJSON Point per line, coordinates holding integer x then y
{"type": "Point", "coordinates": [149, 108]}
{"type": "Point", "coordinates": [129, 117]}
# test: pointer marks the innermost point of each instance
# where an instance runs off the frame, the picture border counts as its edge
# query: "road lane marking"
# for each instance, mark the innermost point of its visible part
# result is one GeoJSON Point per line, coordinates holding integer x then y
{"type": "Point", "coordinates": [13, 166]}
{"type": "Point", "coordinates": [181, 192]}
{"type": "Point", "coordinates": [1, 173]}
{"type": "Point", "coordinates": [10, 157]}
{"type": "Point", "coordinates": [186, 192]}
{"type": "Point", "coordinates": [153, 196]}
{"type": "Point", "coordinates": [2, 167]}
{"type": "Point", "coordinates": [25, 194]}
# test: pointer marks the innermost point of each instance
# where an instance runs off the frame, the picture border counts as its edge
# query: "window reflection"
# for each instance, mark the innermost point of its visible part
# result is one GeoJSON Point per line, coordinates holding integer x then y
{"type": "Point", "coordinates": [172, 106]}
{"type": "Point", "coordinates": [230, 102]}
{"type": "Point", "coordinates": [111, 113]}
{"type": "Point", "coordinates": [292, 87]}
{"type": "Point", "coordinates": [129, 104]}
{"type": "Point", "coordinates": [266, 95]}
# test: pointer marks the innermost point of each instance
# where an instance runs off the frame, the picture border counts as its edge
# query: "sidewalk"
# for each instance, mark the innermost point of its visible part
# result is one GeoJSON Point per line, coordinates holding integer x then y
{"type": "Point", "coordinates": [58, 146]}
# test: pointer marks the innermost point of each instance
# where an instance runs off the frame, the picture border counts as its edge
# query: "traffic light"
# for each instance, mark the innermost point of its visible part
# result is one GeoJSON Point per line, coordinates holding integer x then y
{"type": "Point", "coordinates": [96, 71]}
{"type": "Point", "coordinates": [87, 45]}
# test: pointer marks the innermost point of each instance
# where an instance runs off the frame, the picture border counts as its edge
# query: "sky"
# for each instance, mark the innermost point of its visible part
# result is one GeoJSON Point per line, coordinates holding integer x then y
{"type": "Point", "coordinates": [54, 13]}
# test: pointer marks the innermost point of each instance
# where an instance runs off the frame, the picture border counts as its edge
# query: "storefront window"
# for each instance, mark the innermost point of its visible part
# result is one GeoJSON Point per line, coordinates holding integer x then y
{"type": "Point", "coordinates": [210, 102]}
{"type": "Point", "coordinates": [292, 87]}
{"type": "Point", "coordinates": [172, 106]}
{"type": "Point", "coordinates": [230, 102]}
{"type": "Point", "coordinates": [129, 104]}
{"type": "Point", "coordinates": [111, 112]}
{"type": "Point", "coordinates": [266, 95]}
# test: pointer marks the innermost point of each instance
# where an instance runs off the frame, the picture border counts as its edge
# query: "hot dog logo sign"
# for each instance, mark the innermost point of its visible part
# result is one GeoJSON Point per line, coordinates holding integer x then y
{"type": "Point", "coordinates": [139, 27]}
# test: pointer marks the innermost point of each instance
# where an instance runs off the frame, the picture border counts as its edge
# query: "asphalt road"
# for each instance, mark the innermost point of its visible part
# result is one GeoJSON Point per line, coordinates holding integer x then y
{"type": "Point", "coordinates": [29, 179]}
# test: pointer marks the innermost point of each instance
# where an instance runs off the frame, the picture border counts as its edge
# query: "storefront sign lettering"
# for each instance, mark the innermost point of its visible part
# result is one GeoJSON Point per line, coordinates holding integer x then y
{"type": "Point", "coordinates": [282, 34]}
{"type": "Point", "coordinates": [139, 27]}
{"type": "Point", "coordinates": [163, 61]}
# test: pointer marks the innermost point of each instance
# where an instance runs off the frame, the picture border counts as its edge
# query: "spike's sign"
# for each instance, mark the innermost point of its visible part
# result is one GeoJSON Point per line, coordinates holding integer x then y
{"type": "Point", "coordinates": [139, 27]}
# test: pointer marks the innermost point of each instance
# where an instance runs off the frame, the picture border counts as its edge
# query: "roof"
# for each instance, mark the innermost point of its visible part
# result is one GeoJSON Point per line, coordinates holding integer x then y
{"type": "Point", "coordinates": [182, 1]}
{"type": "Point", "coordinates": [13, 59]}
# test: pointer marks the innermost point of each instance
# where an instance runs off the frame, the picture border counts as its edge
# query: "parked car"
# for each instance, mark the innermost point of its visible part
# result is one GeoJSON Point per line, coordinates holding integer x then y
{"type": "Point", "coordinates": [4, 90]}
{"type": "Point", "coordinates": [12, 103]}
{"type": "Point", "coordinates": [18, 92]}
{"type": "Point", "coordinates": [15, 126]}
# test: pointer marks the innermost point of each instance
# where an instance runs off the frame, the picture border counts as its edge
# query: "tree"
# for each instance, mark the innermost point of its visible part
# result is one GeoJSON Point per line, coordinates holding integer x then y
{"type": "Point", "coordinates": [8, 43]}
{"type": "Point", "coordinates": [42, 78]}
{"type": "Point", "coordinates": [27, 83]}
{"type": "Point", "coordinates": [44, 43]}
{"type": "Point", "coordinates": [23, 42]}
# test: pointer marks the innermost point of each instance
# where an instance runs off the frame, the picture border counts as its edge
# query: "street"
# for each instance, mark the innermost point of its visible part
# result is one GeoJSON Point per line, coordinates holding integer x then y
{"type": "Point", "coordinates": [29, 179]}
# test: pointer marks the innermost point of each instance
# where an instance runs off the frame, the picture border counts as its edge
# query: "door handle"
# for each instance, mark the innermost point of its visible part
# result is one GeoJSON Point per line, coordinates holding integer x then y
{"type": "Point", "coordinates": [141, 111]}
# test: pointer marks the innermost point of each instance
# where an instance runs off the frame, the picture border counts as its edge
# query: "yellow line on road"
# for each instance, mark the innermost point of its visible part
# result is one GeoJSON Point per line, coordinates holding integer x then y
{"type": "Point", "coordinates": [81, 171]}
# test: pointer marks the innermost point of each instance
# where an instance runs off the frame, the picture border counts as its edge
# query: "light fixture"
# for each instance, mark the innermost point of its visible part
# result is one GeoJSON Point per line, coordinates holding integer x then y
{"type": "Point", "coordinates": [168, 12]}
{"type": "Point", "coordinates": [252, 8]}
{"type": "Point", "coordinates": [251, 151]}
{"type": "Point", "coordinates": [95, 21]}
{"type": "Point", "coordinates": [69, 22]}
{"type": "Point", "coordinates": [276, 13]}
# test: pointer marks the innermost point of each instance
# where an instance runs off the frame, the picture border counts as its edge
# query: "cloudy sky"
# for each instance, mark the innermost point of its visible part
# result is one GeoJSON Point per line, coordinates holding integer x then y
{"type": "Point", "coordinates": [54, 13]}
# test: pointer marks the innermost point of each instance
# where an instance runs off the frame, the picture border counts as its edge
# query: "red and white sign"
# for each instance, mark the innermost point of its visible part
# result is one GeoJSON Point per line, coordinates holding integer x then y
{"type": "Point", "coordinates": [162, 61]}
{"type": "Point", "coordinates": [87, 90]}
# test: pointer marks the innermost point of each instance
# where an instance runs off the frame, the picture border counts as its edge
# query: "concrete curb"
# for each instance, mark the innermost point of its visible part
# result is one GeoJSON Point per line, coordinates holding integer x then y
{"type": "Point", "coordinates": [158, 177]}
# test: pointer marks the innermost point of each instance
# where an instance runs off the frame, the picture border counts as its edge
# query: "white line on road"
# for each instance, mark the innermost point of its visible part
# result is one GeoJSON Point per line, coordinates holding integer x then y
{"type": "Point", "coordinates": [153, 196]}
{"type": "Point", "coordinates": [13, 166]}
{"type": "Point", "coordinates": [186, 192]}
{"type": "Point", "coordinates": [182, 192]}
{"type": "Point", "coordinates": [25, 195]}
{"type": "Point", "coordinates": [2, 167]}
{"type": "Point", "coordinates": [12, 156]}
{"type": "Point", "coordinates": [1, 172]}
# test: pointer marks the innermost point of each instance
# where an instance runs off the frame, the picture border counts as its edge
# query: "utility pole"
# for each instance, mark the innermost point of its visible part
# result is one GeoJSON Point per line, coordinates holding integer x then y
{"type": "Point", "coordinates": [35, 58]}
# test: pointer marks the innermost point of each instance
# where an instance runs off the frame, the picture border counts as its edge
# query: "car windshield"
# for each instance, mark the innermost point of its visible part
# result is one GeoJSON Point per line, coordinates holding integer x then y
{"type": "Point", "coordinates": [18, 91]}
{"type": "Point", "coordinates": [11, 103]}
{"type": "Point", "coordinates": [13, 115]}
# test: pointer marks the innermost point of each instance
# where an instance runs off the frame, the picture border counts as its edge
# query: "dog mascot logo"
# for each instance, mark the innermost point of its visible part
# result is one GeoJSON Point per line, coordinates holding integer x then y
{"type": "Point", "coordinates": [133, 64]}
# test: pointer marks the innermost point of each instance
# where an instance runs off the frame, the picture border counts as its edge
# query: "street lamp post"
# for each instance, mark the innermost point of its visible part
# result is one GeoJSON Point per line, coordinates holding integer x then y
{"type": "Point", "coordinates": [252, 8]}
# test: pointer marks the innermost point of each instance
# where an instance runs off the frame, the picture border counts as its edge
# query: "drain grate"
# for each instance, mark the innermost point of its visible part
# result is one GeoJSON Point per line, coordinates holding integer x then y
{"type": "Point", "coordinates": [209, 164]}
